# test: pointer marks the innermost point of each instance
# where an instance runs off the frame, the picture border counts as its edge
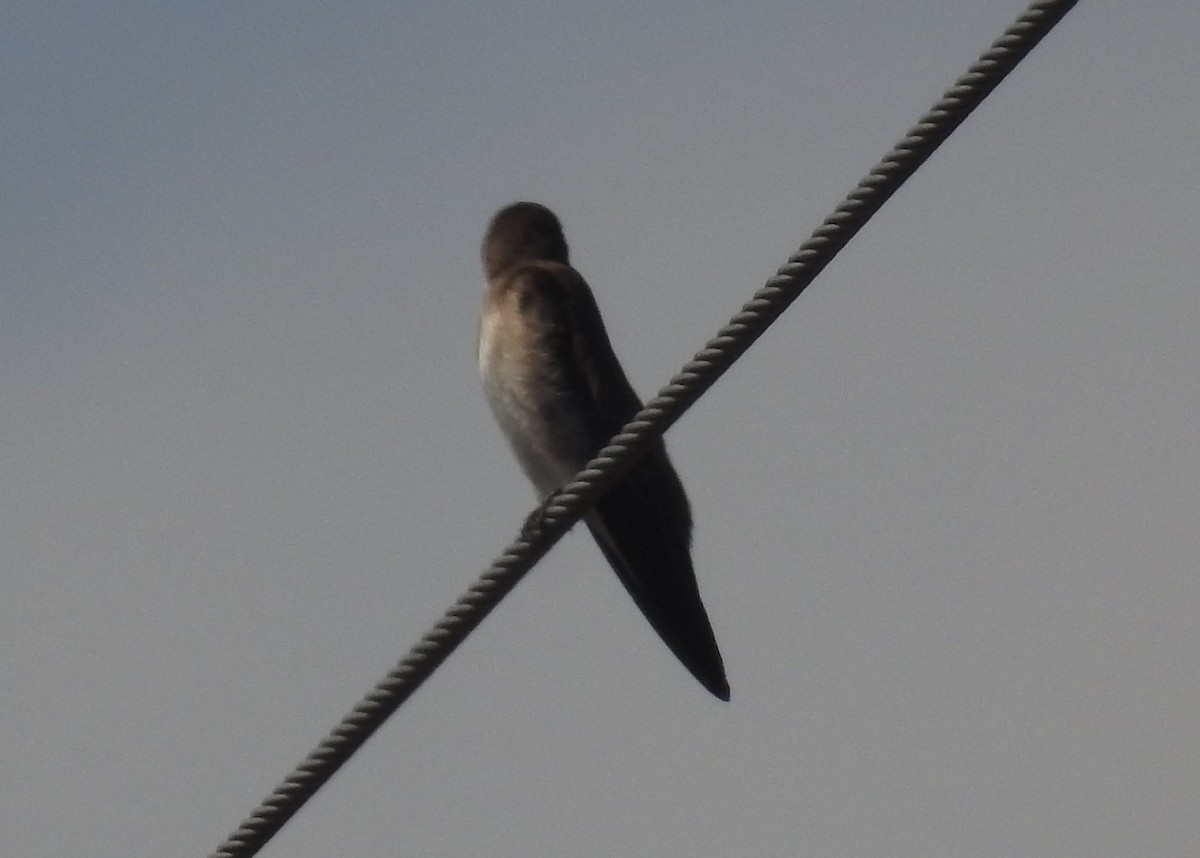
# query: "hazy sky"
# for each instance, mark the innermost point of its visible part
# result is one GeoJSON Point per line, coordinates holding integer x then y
{"type": "Point", "coordinates": [947, 510]}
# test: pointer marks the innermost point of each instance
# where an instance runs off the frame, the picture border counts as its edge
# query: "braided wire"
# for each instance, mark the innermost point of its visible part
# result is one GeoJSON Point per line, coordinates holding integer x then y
{"type": "Point", "coordinates": [548, 523]}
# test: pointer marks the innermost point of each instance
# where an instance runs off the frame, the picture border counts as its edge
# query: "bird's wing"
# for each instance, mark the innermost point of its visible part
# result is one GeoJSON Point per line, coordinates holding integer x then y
{"type": "Point", "coordinates": [643, 523]}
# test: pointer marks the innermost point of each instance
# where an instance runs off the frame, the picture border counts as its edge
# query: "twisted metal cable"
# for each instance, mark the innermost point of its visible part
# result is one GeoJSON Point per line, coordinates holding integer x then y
{"type": "Point", "coordinates": [550, 521]}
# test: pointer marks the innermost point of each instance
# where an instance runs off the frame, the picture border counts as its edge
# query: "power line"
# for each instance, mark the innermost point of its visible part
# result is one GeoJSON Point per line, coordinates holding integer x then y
{"type": "Point", "coordinates": [548, 524]}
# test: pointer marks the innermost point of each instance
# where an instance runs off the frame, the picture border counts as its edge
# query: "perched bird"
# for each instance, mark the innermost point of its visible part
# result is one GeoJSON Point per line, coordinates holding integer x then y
{"type": "Point", "coordinates": [559, 394]}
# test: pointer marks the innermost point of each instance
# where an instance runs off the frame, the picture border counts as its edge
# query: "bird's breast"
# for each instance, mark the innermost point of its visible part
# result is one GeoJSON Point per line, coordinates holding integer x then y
{"type": "Point", "coordinates": [544, 436]}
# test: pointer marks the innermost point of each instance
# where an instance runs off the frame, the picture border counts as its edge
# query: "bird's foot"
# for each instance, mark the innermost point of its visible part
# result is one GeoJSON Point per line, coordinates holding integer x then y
{"type": "Point", "coordinates": [534, 522]}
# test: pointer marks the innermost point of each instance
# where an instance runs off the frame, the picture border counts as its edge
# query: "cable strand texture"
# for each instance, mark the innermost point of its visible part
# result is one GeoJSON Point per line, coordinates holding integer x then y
{"type": "Point", "coordinates": [548, 523]}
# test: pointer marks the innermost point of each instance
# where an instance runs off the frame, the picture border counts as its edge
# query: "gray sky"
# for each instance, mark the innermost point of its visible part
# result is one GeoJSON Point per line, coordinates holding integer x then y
{"type": "Point", "coordinates": [946, 509]}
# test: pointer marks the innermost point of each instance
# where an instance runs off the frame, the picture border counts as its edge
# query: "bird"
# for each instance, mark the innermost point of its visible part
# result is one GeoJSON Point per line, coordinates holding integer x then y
{"type": "Point", "coordinates": [559, 395]}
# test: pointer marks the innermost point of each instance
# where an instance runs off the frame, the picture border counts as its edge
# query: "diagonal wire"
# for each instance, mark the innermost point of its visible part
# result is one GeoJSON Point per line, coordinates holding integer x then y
{"type": "Point", "coordinates": [548, 524]}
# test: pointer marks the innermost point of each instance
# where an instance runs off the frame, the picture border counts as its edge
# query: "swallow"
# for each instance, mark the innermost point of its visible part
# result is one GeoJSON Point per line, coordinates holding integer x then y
{"type": "Point", "coordinates": [560, 394]}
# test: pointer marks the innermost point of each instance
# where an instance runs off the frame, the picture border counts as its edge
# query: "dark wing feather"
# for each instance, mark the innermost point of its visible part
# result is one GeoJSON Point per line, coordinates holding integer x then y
{"type": "Point", "coordinates": [643, 523]}
{"type": "Point", "coordinates": [639, 524]}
